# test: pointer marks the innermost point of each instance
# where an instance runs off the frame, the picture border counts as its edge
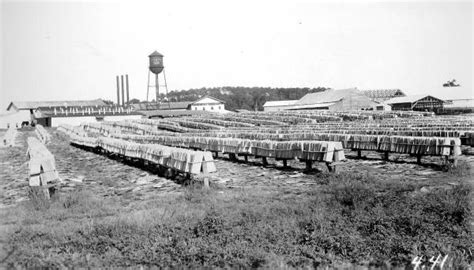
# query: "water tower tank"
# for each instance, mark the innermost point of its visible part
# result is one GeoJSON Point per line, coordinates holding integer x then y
{"type": "Point", "coordinates": [156, 62]}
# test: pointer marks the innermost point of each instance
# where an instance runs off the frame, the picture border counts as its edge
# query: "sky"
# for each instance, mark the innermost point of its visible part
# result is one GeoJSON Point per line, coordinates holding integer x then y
{"type": "Point", "coordinates": [66, 50]}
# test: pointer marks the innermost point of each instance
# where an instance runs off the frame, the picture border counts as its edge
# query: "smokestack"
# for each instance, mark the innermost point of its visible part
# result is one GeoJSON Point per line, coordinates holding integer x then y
{"type": "Point", "coordinates": [123, 91]}
{"type": "Point", "coordinates": [128, 93]}
{"type": "Point", "coordinates": [118, 91]}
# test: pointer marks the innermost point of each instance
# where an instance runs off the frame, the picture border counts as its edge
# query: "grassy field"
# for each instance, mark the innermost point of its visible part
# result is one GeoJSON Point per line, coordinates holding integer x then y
{"type": "Point", "coordinates": [347, 219]}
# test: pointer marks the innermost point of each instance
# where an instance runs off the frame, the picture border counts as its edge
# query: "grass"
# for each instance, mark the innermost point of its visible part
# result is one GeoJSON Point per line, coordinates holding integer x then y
{"type": "Point", "coordinates": [346, 220]}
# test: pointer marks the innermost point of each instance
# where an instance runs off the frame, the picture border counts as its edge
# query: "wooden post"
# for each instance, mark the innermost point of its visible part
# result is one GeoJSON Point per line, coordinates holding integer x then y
{"type": "Point", "coordinates": [285, 163]}
{"type": "Point", "coordinates": [309, 165]}
{"type": "Point", "coordinates": [246, 158]}
{"type": "Point", "coordinates": [264, 161]}
{"type": "Point", "coordinates": [206, 182]}
{"type": "Point", "coordinates": [331, 167]}
{"type": "Point", "coordinates": [385, 155]}
{"type": "Point", "coordinates": [233, 157]}
{"type": "Point", "coordinates": [216, 154]}
{"type": "Point", "coordinates": [418, 159]}
{"type": "Point", "coordinates": [359, 153]}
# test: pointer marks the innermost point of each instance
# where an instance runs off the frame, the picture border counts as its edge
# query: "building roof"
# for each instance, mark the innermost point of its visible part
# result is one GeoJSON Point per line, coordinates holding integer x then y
{"type": "Point", "coordinates": [27, 105]}
{"type": "Point", "coordinates": [408, 99]}
{"type": "Point", "coordinates": [155, 53]}
{"type": "Point", "coordinates": [277, 103]}
{"type": "Point", "coordinates": [383, 93]}
{"type": "Point", "coordinates": [207, 96]}
{"type": "Point", "coordinates": [326, 96]}
{"type": "Point", "coordinates": [459, 103]}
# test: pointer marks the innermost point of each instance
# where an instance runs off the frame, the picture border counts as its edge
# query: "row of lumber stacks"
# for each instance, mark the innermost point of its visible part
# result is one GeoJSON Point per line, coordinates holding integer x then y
{"type": "Point", "coordinates": [42, 174]}
{"type": "Point", "coordinates": [68, 129]}
{"type": "Point", "coordinates": [321, 151]}
{"type": "Point", "coordinates": [420, 146]}
{"type": "Point", "coordinates": [182, 160]}
{"type": "Point", "coordinates": [42, 134]}
{"type": "Point", "coordinates": [9, 137]}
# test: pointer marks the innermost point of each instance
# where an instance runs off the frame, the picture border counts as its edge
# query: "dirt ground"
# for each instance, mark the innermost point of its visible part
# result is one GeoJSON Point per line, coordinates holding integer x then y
{"type": "Point", "coordinates": [108, 177]}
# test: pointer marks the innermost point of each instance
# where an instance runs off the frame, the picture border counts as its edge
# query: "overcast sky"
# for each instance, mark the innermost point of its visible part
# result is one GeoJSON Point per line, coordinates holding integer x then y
{"type": "Point", "coordinates": [73, 50]}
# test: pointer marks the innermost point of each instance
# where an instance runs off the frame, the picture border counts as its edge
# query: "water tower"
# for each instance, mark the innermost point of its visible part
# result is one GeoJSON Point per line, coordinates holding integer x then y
{"type": "Point", "coordinates": [156, 67]}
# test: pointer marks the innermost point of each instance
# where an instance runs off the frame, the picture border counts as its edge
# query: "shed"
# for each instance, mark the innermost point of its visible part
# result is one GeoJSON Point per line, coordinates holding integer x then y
{"type": "Point", "coordinates": [278, 105]}
{"type": "Point", "coordinates": [208, 103]}
{"type": "Point", "coordinates": [416, 103]}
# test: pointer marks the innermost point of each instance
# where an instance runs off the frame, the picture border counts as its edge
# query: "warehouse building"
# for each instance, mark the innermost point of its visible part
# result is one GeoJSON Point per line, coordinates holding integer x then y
{"type": "Point", "coordinates": [416, 103]}
{"type": "Point", "coordinates": [23, 112]}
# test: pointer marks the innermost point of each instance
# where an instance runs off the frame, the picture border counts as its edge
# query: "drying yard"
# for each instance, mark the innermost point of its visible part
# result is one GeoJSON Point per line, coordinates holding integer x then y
{"type": "Point", "coordinates": [300, 172]}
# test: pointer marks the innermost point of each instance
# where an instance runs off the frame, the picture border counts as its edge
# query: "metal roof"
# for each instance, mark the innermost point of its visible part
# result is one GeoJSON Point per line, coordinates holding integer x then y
{"type": "Point", "coordinates": [327, 96]}
{"type": "Point", "coordinates": [27, 105]}
{"type": "Point", "coordinates": [279, 103]}
{"type": "Point", "coordinates": [207, 96]}
{"type": "Point", "coordinates": [155, 53]}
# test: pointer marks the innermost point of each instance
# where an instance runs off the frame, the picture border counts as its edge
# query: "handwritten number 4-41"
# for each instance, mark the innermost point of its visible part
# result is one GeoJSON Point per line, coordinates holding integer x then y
{"type": "Point", "coordinates": [439, 261]}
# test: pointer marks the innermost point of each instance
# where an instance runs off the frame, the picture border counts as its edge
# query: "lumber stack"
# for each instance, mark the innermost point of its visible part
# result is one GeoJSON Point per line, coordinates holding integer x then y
{"type": "Point", "coordinates": [68, 129]}
{"type": "Point", "coordinates": [42, 134]}
{"type": "Point", "coordinates": [42, 166]}
{"type": "Point", "coordinates": [326, 151]}
{"type": "Point", "coordinates": [9, 137]}
{"type": "Point", "coordinates": [183, 160]}
{"type": "Point", "coordinates": [429, 146]}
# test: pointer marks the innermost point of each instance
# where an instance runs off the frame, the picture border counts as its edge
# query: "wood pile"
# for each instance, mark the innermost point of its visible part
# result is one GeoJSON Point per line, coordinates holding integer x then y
{"type": "Point", "coordinates": [9, 137]}
{"type": "Point", "coordinates": [42, 167]}
{"type": "Point", "coordinates": [42, 134]}
{"type": "Point", "coordinates": [430, 146]}
{"type": "Point", "coordinates": [183, 160]}
{"type": "Point", "coordinates": [68, 129]}
{"type": "Point", "coordinates": [218, 122]}
{"type": "Point", "coordinates": [324, 151]}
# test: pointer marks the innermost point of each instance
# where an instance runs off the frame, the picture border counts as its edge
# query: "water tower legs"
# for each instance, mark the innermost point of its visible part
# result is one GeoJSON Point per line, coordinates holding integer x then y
{"type": "Point", "coordinates": [157, 85]}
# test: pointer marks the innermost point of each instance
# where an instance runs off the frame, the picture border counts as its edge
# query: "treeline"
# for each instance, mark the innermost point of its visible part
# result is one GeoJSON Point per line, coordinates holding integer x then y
{"type": "Point", "coordinates": [248, 98]}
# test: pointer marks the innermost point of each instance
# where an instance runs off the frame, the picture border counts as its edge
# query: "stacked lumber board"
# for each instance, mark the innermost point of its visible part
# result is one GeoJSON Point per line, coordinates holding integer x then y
{"type": "Point", "coordinates": [323, 151]}
{"type": "Point", "coordinates": [68, 129]}
{"type": "Point", "coordinates": [163, 124]}
{"type": "Point", "coordinates": [9, 137]}
{"type": "Point", "coordinates": [42, 134]}
{"type": "Point", "coordinates": [42, 166]}
{"type": "Point", "coordinates": [218, 122]}
{"type": "Point", "coordinates": [430, 146]}
{"type": "Point", "coordinates": [183, 160]}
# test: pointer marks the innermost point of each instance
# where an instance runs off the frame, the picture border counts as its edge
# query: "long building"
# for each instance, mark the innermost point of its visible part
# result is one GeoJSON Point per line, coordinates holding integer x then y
{"type": "Point", "coordinates": [333, 100]}
{"type": "Point", "coordinates": [54, 113]}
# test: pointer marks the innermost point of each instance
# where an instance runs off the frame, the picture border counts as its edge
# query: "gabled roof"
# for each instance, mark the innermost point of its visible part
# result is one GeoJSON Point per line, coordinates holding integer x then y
{"type": "Point", "coordinates": [279, 103]}
{"type": "Point", "coordinates": [383, 93]}
{"type": "Point", "coordinates": [27, 105]}
{"type": "Point", "coordinates": [409, 99]}
{"type": "Point", "coordinates": [207, 96]}
{"type": "Point", "coordinates": [327, 96]}
{"type": "Point", "coordinates": [155, 53]}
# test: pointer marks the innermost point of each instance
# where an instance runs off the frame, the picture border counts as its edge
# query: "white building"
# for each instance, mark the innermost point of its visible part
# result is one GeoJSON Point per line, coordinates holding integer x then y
{"type": "Point", "coordinates": [208, 103]}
